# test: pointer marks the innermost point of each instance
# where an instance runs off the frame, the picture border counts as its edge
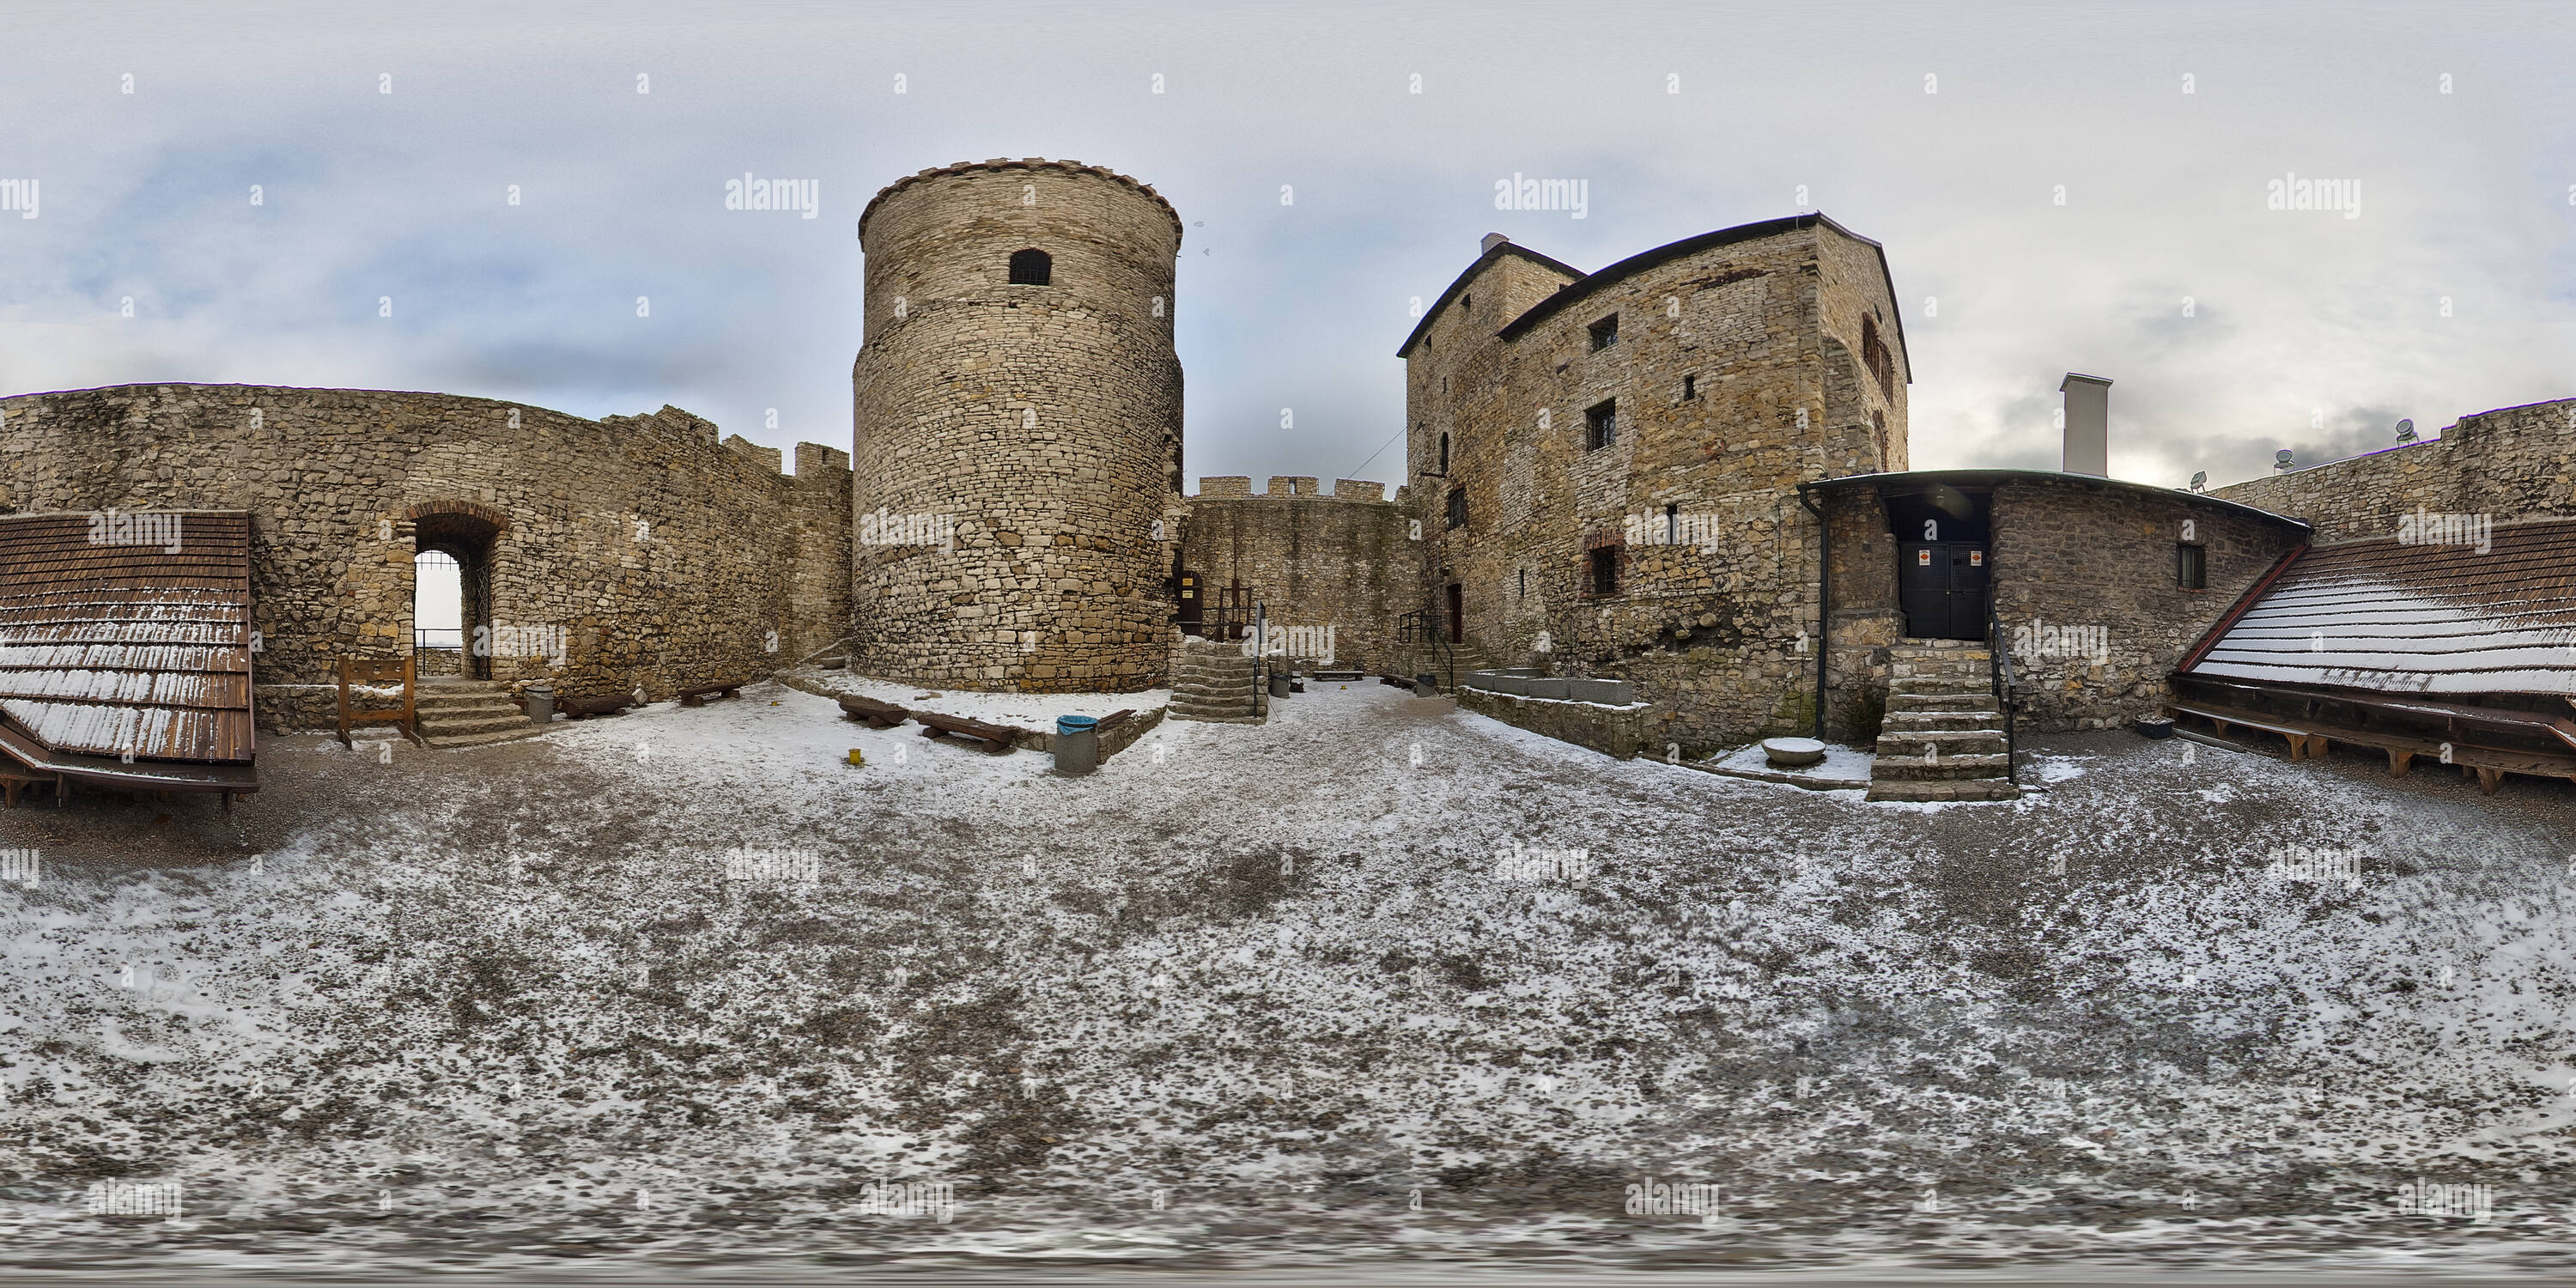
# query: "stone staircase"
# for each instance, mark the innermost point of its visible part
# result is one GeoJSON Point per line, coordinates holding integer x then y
{"type": "Point", "coordinates": [1430, 659]}
{"type": "Point", "coordinates": [1943, 739]}
{"type": "Point", "coordinates": [1214, 683]}
{"type": "Point", "coordinates": [457, 712]}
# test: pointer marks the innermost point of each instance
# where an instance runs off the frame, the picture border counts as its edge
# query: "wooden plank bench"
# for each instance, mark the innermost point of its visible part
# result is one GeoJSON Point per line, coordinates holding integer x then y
{"type": "Point", "coordinates": [1114, 719]}
{"type": "Point", "coordinates": [698, 696]}
{"type": "Point", "coordinates": [875, 714]}
{"type": "Point", "coordinates": [609, 705]}
{"type": "Point", "coordinates": [14, 779]}
{"type": "Point", "coordinates": [2304, 741]}
{"type": "Point", "coordinates": [2488, 764]}
{"type": "Point", "coordinates": [992, 737]}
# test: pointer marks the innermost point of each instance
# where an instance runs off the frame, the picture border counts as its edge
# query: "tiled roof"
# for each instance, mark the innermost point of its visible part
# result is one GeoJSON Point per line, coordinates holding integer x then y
{"type": "Point", "coordinates": [2411, 618]}
{"type": "Point", "coordinates": [109, 646]}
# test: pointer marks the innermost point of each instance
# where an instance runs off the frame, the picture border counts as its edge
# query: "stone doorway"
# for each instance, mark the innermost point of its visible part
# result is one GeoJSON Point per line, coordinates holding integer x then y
{"type": "Point", "coordinates": [469, 535]}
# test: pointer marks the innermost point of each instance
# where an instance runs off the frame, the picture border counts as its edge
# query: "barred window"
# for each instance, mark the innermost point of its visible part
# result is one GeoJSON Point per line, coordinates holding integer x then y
{"type": "Point", "coordinates": [1601, 425]}
{"type": "Point", "coordinates": [1457, 507]}
{"type": "Point", "coordinates": [1031, 268]}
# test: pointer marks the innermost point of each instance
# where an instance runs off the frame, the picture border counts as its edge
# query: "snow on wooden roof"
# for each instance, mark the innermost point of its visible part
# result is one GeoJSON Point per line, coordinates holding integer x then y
{"type": "Point", "coordinates": [2414, 618]}
{"type": "Point", "coordinates": [128, 633]}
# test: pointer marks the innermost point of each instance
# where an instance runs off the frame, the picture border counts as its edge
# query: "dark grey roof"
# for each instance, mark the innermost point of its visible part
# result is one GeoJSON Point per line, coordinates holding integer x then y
{"type": "Point", "coordinates": [1988, 478]}
{"type": "Point", "coordinates": [1500, 249]}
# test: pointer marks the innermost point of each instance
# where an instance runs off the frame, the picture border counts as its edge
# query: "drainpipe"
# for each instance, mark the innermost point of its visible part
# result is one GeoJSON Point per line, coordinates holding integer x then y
{"type": "Point", "coordinates": [1824, 600]}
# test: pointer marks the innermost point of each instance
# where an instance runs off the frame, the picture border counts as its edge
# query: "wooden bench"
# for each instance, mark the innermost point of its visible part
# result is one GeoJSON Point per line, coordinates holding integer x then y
{"type": "Point", "coordinates": [2303, 741]}
{"type": "Point", "coordinates": [2488, 764]}
{"type": "Point", "coordinates": [14, 779]}
{"type": "Point", "coordinates": [577, 708]}
{"type": "Point", "coordinates": [875, 714]}
{"type": "Point", "coordinates": [1341, 675]}
{"type": "Point", "coordinates": [1114, 719]}
{"type": "Point", "coordinates": [698, 696]}
{"type": "Point", "coordinates": [992, 737]}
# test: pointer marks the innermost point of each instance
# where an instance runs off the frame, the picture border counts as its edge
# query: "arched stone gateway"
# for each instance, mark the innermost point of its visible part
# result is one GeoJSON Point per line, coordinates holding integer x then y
{"type": "Point", "coordinates": [468, 533]}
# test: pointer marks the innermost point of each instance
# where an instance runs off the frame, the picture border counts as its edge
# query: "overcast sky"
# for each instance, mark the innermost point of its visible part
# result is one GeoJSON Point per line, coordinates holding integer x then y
{"type": "Point", "coordinates": [1944, 131]}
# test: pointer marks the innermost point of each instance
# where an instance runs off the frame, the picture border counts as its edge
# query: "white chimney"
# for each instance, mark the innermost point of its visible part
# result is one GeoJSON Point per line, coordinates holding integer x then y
{"type": "Point", "coordinates": [2088, 425]}
{"type": "Point", "coordinates": [1492, 240]}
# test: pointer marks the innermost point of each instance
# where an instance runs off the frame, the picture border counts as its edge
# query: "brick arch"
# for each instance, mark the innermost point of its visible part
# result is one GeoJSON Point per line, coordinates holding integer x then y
{"type": "Point", "coordinates": [500, 522]}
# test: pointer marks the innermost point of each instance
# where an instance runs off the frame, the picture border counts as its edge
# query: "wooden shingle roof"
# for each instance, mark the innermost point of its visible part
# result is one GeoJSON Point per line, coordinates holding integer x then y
{"type": "Point", "coordinates": [2396, 617]}
{"type": "Point", "coordinates": [110, 646]}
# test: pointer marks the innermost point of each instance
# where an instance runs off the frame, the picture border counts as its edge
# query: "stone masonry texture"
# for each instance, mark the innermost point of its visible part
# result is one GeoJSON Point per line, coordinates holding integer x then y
{"type": "Point", "coordinates": [1745, 362]}
{"type": "Point", "coordinates": [2508, 464]}
{"type": "Point", "coordinates": [1344, 561]}
{"type": "Point", "coordinates": [1039, 427]}
{"type": "Point", "coordinates": [667, 560]}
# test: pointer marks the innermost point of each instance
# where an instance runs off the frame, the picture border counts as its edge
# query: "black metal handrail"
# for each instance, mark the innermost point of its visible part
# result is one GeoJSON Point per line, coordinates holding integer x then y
{"type": "Point", "coordinates": [2000, 672]}
{"type": "Point", "coordinates": [1430, 625]}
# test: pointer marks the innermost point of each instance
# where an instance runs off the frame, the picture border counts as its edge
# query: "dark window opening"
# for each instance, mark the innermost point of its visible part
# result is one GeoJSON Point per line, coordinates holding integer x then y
{"type": "Point", "coordinates": [1524, 583]}
{"type": "Point", "coordinates": [1466, 303]}
{"type": "Point", "coordinates": [1444, 457]}
{"type": "Point", "coordinates": [1601, 425]}
{"type": "Point", "coordinates": [1690, 388]}
{"type": "Point", "coordinates": [1605, 333]}
{"type": "Point", "coordinates": [1672, 525]}
{"type": "Point", "coordinates": [1875, 355]}
{"type": "Point", "coordinates": [1605, 571]}
{"type": "Point", "coordinates": [1032, 268]}
{"type": "Point", "coordinates": [1457, 507]}
{"type": "Point", "coordinates": [2191, 567]}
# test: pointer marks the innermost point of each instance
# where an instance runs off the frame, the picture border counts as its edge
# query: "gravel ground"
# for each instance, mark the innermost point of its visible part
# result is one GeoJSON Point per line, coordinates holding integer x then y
{"type": "Point", "coordinates": [1265, 998]}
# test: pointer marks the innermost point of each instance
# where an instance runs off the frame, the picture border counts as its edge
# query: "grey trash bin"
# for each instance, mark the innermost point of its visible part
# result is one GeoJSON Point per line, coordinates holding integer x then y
{"type": "Point", "coordinates": [1426, 685]}
{"type": "Point", "coordinates": [541, 703]}
{"type": "Point", "coordinates": [1077, 744]}
{"type": "Point", "coordinates": [1279, 684]}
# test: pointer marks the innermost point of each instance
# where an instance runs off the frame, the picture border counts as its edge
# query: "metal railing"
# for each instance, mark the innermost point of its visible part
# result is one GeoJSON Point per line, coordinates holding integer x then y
{"type": "Point", "coordinates": [2000, 672]}
{"type": "Point", "coordinates": [1431, 626]}
{"type": "Point", "coordinates": [450, 637]}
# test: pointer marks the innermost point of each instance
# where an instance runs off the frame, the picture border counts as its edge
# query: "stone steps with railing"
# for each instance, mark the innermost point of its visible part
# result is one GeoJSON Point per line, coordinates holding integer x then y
{"type": "Point", "coordinates": [1214, 683]}
{"type": "Point", "coordinates": [1943, 737]}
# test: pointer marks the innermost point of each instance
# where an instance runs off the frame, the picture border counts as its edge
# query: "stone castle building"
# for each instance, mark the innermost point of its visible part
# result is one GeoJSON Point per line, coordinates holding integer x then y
{"type": "Point", "coordinates": [1684, 477]}
{"type": "Point", "coordinates": [1017, 417]}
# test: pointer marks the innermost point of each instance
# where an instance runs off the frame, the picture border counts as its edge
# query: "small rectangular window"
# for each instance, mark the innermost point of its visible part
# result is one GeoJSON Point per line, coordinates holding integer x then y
{"type": "Point", "coordinates": [1601, 425]}
{"type": "Point", "coordinates": [2191, 567]}
{"type": "Point", "coordinates": [1672, 525]}
{"type": "Point", "coordinates": [1524, 583]}
{"type": "Point", "coordinates": [1690, 388]}
{"type": "Point", "coordinates": [1605, 571]}
{"type": "Point", "coordinates": [1605, 333]}
{"type": "Point", "coordinates": [1457, 507]}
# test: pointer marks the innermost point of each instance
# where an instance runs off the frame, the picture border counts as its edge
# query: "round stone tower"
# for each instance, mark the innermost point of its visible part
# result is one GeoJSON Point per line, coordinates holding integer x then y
{"type": "Point", "coordinates": [1017, 452]}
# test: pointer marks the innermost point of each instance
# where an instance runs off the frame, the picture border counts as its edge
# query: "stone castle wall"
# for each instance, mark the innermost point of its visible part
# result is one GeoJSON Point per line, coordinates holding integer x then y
{"type": "Point", "coordinates": [2511, 463]}
{"type": "Point", "coordinates": [1768, 329]}
{"type": "Point", "coordinates": [2085, 588]}
{"type": "Point", "coordinates": [1344, 561]}
{"type": "Point", "coordinates": [1036, 428]}
{"type": "Point", "coordinates": [667, 560]}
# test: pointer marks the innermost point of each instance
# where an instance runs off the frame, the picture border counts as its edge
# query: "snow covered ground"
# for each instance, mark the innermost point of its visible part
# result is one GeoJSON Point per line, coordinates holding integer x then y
{"type": "Point", "coordinates": [1261, 996]}
{"type": "Point", "coordinates": [1018, 710]}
